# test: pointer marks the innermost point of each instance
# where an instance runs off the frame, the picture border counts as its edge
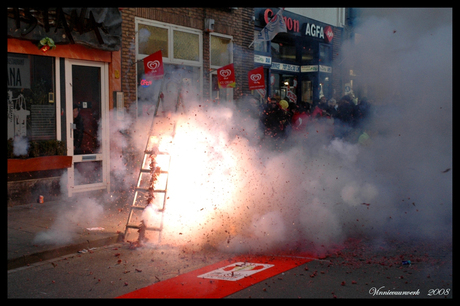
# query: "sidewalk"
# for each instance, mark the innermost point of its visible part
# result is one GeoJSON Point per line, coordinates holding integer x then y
{"type": "Point", "coordinates": [38, 232]}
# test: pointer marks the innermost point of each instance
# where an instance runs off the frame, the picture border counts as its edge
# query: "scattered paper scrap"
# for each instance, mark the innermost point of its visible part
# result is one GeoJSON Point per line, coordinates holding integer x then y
{"type": "Point", "coordinates": [95, 228]}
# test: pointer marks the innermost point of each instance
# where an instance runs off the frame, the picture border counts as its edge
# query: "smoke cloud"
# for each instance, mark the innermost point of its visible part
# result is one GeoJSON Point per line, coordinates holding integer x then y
{"type": "Point", "coordinates": [234, 189]}
{"type": "Point", "coordinates": [313, 190]}
{"type": "Point", "coordinates": [69, 219]}
{"type": "Point", "coordinates": [20, 145]}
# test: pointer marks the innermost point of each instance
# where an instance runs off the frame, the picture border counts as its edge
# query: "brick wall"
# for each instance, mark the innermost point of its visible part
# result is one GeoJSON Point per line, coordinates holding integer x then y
{"type": "Point", "coordinates": [128, 55]}
{"type": "Point", "coordinates": [237, 23]}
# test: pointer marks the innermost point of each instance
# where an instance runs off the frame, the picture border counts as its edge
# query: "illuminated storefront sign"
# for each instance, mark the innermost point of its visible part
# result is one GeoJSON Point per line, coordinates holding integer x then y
{"type": "Point", "coordinates": [267, 60]}
{"type": "Point", "coordinates": [285, 67]}
{"type": "Point", "coordinates": [310, 28]}
{"type": "Point", "coordinates": [145, 83]}
{"type": "Point", "coordinates": [316, 68]}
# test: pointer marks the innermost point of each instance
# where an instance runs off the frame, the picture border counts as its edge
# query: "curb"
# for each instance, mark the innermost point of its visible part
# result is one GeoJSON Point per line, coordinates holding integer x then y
{"type": "Point", "coordinates": [26, 260]}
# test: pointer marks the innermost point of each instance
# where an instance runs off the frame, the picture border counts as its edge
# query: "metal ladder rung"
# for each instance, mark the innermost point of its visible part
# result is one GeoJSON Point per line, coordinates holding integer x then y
{"type": "Point", "coordinates": [149, 152]}
{"type": "Point", "coordinates": [149, 190]}
{"type": "Point", "coordinates": [146, 228]}
{"type": "Point", "coordinates": [142, 189]}
{"type": "Point", "coordinates": [144, 207]}
{"type": "Point", "coordinates": [145, 170]}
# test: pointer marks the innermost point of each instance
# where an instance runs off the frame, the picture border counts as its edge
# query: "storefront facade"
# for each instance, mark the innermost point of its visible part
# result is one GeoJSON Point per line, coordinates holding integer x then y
{"type": "Point", "coordinates": [299, 64]}
{"type": "Point", "coordinates": [58, 92]}
{"type": "Point", "coordinates": [194, 42]}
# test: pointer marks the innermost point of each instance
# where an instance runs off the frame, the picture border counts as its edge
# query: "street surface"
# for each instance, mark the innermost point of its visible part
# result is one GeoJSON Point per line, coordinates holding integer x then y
{"type": "Point", "coordinates": [362, 269]}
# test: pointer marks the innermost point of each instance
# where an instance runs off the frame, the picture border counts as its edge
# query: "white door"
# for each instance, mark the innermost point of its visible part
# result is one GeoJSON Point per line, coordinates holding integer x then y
{"type": "Point", "coordinates": [87, 119]}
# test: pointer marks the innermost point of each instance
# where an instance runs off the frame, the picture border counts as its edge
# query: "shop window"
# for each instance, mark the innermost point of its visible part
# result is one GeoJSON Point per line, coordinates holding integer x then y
{"type": "Point", "coordinates": [177, 78]}
{"type": "Point", "coordinates": [181, 48]}
{"type": "Point", "coordinates": [325, 86]}
{"type": "Point", "coordinates": [283, 48]}
{"type": "Point", "coordinates": [283, 86]}
{"type": "Point", "coordinates": [325, 54]}
{"type": "Point", "coordinates": [221, 54]}
{"type": "Point", "coordinates": [220, 94]}
{"type": "Point", "coordinates": [307, 91]}
{"type": "Point", "coordinates": [309, 54]}
{"type": "Point", "coordinates": [31, 97]}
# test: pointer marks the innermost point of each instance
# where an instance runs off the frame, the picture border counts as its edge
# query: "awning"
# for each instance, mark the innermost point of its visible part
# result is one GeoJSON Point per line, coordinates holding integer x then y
{"type": "Point", "coordinates": [98, 28]}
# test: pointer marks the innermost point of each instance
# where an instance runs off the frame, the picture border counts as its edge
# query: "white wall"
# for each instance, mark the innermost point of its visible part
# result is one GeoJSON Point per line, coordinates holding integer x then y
{"type": "Point", "coordinates": [331, 15]}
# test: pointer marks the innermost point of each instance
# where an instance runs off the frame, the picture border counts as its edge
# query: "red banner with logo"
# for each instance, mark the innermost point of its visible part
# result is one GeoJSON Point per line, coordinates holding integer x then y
{"type": "Point", "coordinates": [153, 65]}
{"type": "Point", "coordinates": [226, 76]}
{"type": "Point", "coordinates": [256, 78]}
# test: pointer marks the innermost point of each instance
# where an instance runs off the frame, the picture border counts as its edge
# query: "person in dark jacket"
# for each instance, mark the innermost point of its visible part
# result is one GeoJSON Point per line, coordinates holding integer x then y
{"type": "Point", "coordinates": [332, 108]}
{"type": "Point", "coordinates": [344, 118]}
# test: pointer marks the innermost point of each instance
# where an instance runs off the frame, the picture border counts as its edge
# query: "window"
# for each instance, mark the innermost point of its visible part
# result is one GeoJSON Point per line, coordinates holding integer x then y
{"type": "Point", "coordinates": [324, 54]}
{"type": "Point", "coordinates": [309, 53]}
{"type": "Point", "coordinates": [31, 97]}
{"type": "Point", "coordinates": [186, 46]}
{"type": "Point", "coordinates": [152, 39]}
{"type": "Point", "coordinates": [221, 50]}
{"type": "Point", "coordinates": [181, 48]}
{"type": "Point", "coordinates": [283, 86]}
{"type": "Point", "coordinates": [177, 44]}
{"type": "Point", "coordinates": [283, 48]}
{"type": "Point", "coordinates": [325, 85]}
{"type": "Point", "coordinates": [307, 90]}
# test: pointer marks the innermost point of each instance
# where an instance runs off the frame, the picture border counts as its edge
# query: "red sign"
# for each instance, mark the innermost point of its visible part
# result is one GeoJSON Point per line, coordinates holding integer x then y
{"type": "Point", "coordinates": [291, 96]}
{"type": "Point", "coordinates": [153, 65]}
{"type": "Point", "coordinates": [291, 24]}
{"type": "Point", "coordinates": [226, 76]}
{"type": "Point", "coordinates": [329, 34]}
{"type": "Point", "coordinates": [256, 78]}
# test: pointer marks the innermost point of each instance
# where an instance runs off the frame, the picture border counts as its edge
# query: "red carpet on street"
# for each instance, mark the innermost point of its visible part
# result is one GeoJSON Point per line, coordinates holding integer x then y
{"type": "Point", "coordinates": [221, 279]}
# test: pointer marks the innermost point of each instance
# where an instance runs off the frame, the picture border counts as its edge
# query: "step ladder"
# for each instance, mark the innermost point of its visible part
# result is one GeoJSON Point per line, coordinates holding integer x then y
{"type": "Point", "coordinates": [152, 183]}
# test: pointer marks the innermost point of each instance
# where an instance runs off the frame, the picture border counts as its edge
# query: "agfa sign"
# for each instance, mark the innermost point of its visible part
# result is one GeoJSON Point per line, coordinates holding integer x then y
{"type": "Point", "coordinates": [296, 24]}
{"type": "Point", "coordinates": [318, 31]}
{"type": "Point", "coordinates": [328, 33]}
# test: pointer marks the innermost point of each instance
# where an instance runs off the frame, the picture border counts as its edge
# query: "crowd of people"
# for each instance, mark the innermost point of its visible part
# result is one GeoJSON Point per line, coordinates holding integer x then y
{"type": "Point", "coordinates": [338, 119]}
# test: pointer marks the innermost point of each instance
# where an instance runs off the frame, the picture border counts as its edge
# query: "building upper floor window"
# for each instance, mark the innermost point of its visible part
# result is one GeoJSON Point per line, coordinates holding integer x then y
{"type": "Point", "coordinates": [221, 50]}
{"type": "Point", "coordinates": [178, 45]}
{"type": "Point", "coordinates": [283, 48]}
{"type": "Point", "coordinates": [309, 53]}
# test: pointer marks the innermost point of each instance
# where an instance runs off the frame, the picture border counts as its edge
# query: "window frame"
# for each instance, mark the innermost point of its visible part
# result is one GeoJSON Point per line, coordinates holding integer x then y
{"type": "Point", "coordinates": [226, 93]}
{"type": "Point", "coordinates": [56, 83]}
{"type": "Point", "coordinates": [171, 28]}
{"type": "Point", "coordinates": [170, 58]}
